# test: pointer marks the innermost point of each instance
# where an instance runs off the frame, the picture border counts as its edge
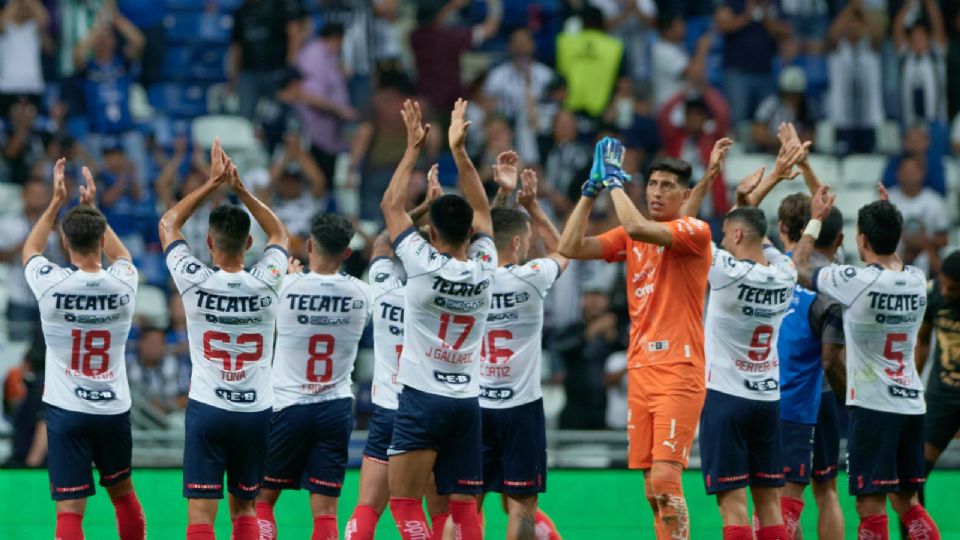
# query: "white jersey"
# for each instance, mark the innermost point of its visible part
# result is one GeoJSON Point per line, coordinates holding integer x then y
{"type": "Point", "coordinates": [882, 313]}
{"type": "Point", "coordinates": [319, 324]}
{"type": "Point", "coordinates": [510, 362]}
{"type": "Point", "coordinates": [445, 311]}
{"type": "Point", "coordinates": [231, 320]}
{"type": "Point", "coordinates": [747, 304]}
{"type": "Point", "coordinates": [86, 320]}
{"type": "Point", "coordinates": [386, 283]}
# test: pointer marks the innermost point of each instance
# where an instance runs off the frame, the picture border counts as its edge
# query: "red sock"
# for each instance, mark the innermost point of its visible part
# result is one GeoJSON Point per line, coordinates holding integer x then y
{"type": "Point", "coordinates": [465, 517]}
{"type": "Point", "coordinates": [773, 532]}
{"type": "Point", "coordinates": [266, 521]}
{"type": "Point", "coordinates": [69, 526]}
{"type": "Point", "coordinates": [131, 523]}
{"type": "Point", "coordinates": [411, 521]}
{"type": "Point", "coordinates": [437, 522]}
{"type": "Point", "coordinates": [919, 525]}
{"type": "Point", "coordinates": [325, 528]}
{"type": "Point", "coordinates": [246, 528]}
{"type": "Point", "coordinates": [874, 528]}
{"type": "Point", "coordinates": [200, 532]}
{"type": "Point", "coordinates": [738, 532]}
{"type": "Point", "coordinates": [362, 524]}
{"type": "Point", "coordinates": [546, 530]}
{"type": "Point", "coordinates": [791, 509]}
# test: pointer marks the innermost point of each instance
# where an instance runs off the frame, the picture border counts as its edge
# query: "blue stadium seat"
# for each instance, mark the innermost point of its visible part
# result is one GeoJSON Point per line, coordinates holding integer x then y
{"type": "Point", "coordinates": [179, 100]}
{"type": "Point", "coordinates": [185, 5]}
{"type": "Point", "coordinates": [176, 61]}
{"type": "Point", "coordinates": [189, 27]}
{"type": "Point", "coordinates": [229, 6]}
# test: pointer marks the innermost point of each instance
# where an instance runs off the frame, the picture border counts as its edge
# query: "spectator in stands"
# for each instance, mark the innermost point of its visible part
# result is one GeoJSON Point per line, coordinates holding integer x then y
{"type": "Point", "coordinates": [855, 95]}
{"type": "Point", "coordinates": [953, 67]}
{"type": "Point", "coordinates": [923, 72]}
{"type": "Point", "coordinates": [267, 35]}
{"type": "Point", "coordinates": [632, 23]}
{"type": "Point", "coordinates": [631, 112]}
{"type": "Point", "coordinates": [22, 26]}
{"type": "Point", "coordinates": [583, 348]}
{"type": "Point", "coordinates": [924, 212]}
{"type": "Point", "coordinates": [120, 194]}
{"type": "Point", "coordinates": [705, 119]}
{"type": "Point", "coordinates": [148, 17]}
{"type": "Point", "coordinates": [516, 85]}
{"type": "Point", "coordinates": [156, 377]}
{"type": "Point", "coordinates": [29, 440]}
{"type": "Point", "coordinates": [322, 99]}
{"type": "Point", "coordinates": [789, 106]}
{"type": "Point", "coordinates": [955, 135]}
{"type": "Point", "coordinates": [809, 20]}
{"type": "Point", "coordinates": [23, 316]}
{"type": "Point", "coordinates": [672, 65]}
{"type": "Point", "coordinates": [107, 75]}
{"type": "Point", "coordinates": [615, 379]}
{"type": "Point", "coordinates": [21, 140]}
{"type": "Point", "coordinates": [916, 145]}
{"type": "Point", "coordinates": [567, 158]}
{"type": "Point", "coordinates": [437, 46]}
{"type": "Point", "coordinates": [590, 61]}
{"type": "Point", "coordinates": [751, 29]}
{"type": "Point", "coordinates": [177, 341]}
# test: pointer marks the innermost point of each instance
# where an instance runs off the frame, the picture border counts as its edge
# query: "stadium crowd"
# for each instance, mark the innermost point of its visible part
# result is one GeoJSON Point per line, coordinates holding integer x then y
{"type": "Point", "coordinates": [124, 86]}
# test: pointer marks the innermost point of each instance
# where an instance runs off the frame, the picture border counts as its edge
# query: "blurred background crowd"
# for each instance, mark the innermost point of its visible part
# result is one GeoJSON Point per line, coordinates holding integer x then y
{"type": "Point", "coordinates": [306, 95]}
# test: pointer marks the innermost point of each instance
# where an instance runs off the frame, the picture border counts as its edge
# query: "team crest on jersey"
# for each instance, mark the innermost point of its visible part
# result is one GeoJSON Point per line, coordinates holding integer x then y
{"type": "Point", "coordinates": [192, 268]}
{"type": "Point", "coordinates": [484, 256]}
{"type": "Point", "coordinates": [381, 277]}
{"type": "Point", "coordinates": [274, 270]}
{"type": "Point", "coordinates": [46, 269]}
{"type": "Point", "coordinates": [535, 267]}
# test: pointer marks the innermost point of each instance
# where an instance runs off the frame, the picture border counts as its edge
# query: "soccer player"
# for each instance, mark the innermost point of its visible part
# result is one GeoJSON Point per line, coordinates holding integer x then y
{"type": "Point", "coordinates": [883, 310]}
{"type": "Point", "coordinates": [387, 284]}
{"type": "Point", "coordinates": [321, 319]}
{"type": "Point", "coordinates": [514, 430]}
{"type": "Point", "coordinates": [86, 311]}
{"type": "Point", "coordinates": [231, 315]}
{"type": "Point", "coordinates": [668, 258]}
{"type": "Point", "coordinates": [437, 426]}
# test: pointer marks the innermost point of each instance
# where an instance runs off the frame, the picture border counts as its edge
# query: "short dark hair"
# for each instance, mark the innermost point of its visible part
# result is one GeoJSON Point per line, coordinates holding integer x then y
{"type": "Point", "coordinates": [679, 167]}
{"type": "Point", "coordinates": [230, 227]}
{"type": "Point", "coordinates": [592, 18]}
{"type": "Point", "coordinates": [830, 229]}
{"type": "Point", "coordinates": [882, 224]}
{"type": "Point", "coordinates": [950, 267]}
{"type": "Point", "coordinates": [332, 29]}
{"type": "Point", "coordinates": [331, 233]}
{"type": "Point", "coordinates": [794, 212]}
{"type": "Point", "coordinates": [83, 226]}
{"type": "Point", "coordinates": [507, 223]}
{"type": "Point", "coordinates": [752, 217]}
{"type": "Point", "coordinates": [451, 216]}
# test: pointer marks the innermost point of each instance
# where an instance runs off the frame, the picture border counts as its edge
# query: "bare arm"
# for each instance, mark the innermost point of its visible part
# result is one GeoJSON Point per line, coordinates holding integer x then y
{"type": "Point", "coordinates": [313, 174]}
{"type": "Point", "coordinates": [833, 359]}
{"type": "Point", "coordinates": [573, 242]}
{"type": "Point", "coordinates": [714, 167]}
{"type": "Point", "coordinates": [490, 25]}
{"type": "Point", "coordinates": [505, 174]}
{"type": "Point", "coordinates": [470, 181]}
{"type": "Point", "coordinates": [274, 228]}
{"type": "Point", "coordinates": [782, 170]}
{"type": "Point", "coordinates": [113, 248]}
{"type": "Point", "coordinates": [938, 29]}
{"type": "Point", "coordinates": [295, 36]}
{"type": "Point", "coordinates": [900, 27]}
{"type": "Point", "coordinates": [132, 36]}
{"type": "Point", "coordinates": [820, 205]}
{"type": "Point", "coordinates": [923, 345]}
{"type": "Point", "coordinates": [37, 239]}
{"type": "Point", "coordinates": [728, 21]}
{"type": "Point", "coordinates": [544, 228]}
{"type": "Point", "coordinates": [40, 13]}
{"type": "Point", "coordinates": [434, 192]}
{"type": "Point", "coordinates": [381, 246]}
{"type": "Point", "coordinates": [171, 224]}
{"type": "Point", "coordinates": [394, 200]}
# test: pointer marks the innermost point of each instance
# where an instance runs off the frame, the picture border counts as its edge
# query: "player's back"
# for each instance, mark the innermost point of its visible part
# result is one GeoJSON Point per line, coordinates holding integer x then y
{"type": "Point", "coordinates": [511, 353]}
{"type": "Point", "coordinates": [231, 320]}
{"type": "Point", "coordinates": [883, 311]}
{"type": "Point", "coordinates": [320, 321]}
{"type": "Point", "coordinates": [445, 311]}
{"type": "Point", "coordinates": [388, 291]}
{"type": "Point", "coordinates": [747, 304]}
{"type": "Point", "coordinates": [86, 318]}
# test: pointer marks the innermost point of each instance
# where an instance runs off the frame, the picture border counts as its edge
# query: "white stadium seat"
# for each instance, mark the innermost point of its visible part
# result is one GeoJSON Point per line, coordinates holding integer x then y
{"type": "Point", "coordinates": [850, 200]}
{"type": "Point", "coordinates": [11, 200]}
{"type": "Point", "coordinates": [863, 170]}
{"type": "Point", "coordinates": [152, 306]}
{"type": "Point", "coordinates": [738, 166]}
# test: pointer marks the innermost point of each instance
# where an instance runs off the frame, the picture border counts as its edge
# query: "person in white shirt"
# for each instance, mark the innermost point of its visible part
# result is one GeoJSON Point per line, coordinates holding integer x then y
{"type": "Point", "coordinates": [22, 26]}
{"type": "Point", "coordinates": [511, 399]}
{"type": "Point", "coordinates": [922, 54]}
{"type": "Point", "coordinates": [673, 68]}
{"type": "Point", "coordinates": [86, 313]}
{"type": "Point", "coordinates": [321, 319]}
{"type": "Point", "coordinates": [925, 222]}
{"type": "Point", "coordinates": [231, 314]}
{"type": "Point", "coordinates": [518, 84]}
{"type": "Point", "coordinates": [884, 305]}
{"type": "Point", "coordinates": [448, 294]}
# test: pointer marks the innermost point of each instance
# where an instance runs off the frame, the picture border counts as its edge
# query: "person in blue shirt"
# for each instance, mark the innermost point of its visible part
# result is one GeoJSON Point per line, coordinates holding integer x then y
{"type": "Point", "coordinates": [917, 143]}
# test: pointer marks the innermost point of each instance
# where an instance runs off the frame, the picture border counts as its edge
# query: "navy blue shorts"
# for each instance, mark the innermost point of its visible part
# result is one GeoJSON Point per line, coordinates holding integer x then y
{"type": "Point", "coordinates": [740, 443]}
{"type": "Point", "coordinates": [826, 439]}
{"type": "Point", "coordinates": [515, 449]}
{"type": "Point", "coordinates": [75, 440]}
{"type": "Point", "coordinates": [220, 441]}
{"type": "Point", "coordinates": [797, 442]}
{"type": "Point", "coordinates": [886, 452]}
{"type": "Point", "coordinates": [309, 447]}
{"type": "Point", "coordinates": [451, 426]}
{"type": "Point", "coordinates": [379, 433]}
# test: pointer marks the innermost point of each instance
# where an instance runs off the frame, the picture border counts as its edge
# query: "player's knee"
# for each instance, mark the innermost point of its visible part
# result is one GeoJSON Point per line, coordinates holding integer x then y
{"type": "Point", "coordinates": [120, 489]}
{"type": "Point", "coordinates": [322, 505]}
{"type": "Point", "coordinates": [202, 511]}
{"type": "Point", "coordinates": [242, 507]}
{"type": "Point", "coordinates": [825, 491]}
{"type": "Point", "coordinates": [521, 505]}
{"type": "Point", "coordinates": [871, 505]}
{"type": "Point", "coordinates": [268, 496]}
{"type": "Point", "coordinates": [668, 493]}
{"type": "Point", "coordinates": [74, 506]}
{"type": "Point", "coordinates": [904, 501]}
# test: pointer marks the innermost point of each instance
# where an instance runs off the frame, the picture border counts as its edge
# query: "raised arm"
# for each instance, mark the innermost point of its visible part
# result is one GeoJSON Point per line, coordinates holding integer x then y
{"type": "Point", "coordinates": [274, 228]}
{"type": "Point", "coordinates": [37, 239]}
{"type": "Point", "coordinates": [699, 192]}
{"type": "Point", "coordinates": [820, 205]}
{"type": "Point", "coordinates": [113, 248]}
{"type": "Point", "coordinates": [543, 227]}
{"type": "Point", "coordinates": [900, 26]}
{"type": "Point", "coordinates": [134, 40]}
{"type": "Point", "coordinates": [470, 182]}
{"type": "Point", "coordinates": [938, 30]}
{"type": "Point", "coordinates": [171, 224]}
{"type": "Point", "coordinates": [789, 156]}
{"type": "Point", "coordinates": [573, 242]}
{"type": "Point", "coordinates": [394, 200]}
{"type": "Point", "coordinates": [505, 174]}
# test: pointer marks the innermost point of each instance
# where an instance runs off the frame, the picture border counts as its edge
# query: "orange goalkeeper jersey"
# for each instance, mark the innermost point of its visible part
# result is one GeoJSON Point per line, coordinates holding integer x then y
{"type": "Point", "coordinates": [666, 287]}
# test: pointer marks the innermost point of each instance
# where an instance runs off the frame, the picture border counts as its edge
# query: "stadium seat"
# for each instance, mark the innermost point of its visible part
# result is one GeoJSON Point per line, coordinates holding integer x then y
{"type": "Point", "coordinates": [152, 306]}
{"type": "Point", "coordinates": [184, 5]}
{"type": "Point", "coordinates": [862, 170]}
{"type": "Point", "coordinates": [179, 100]}
{"type": "Point", "coordinates": [827, 169]}
{"type": "Point", "coordinates": [738, 166]}
{"type": "Point", "coordinates": [953, 173]}
{"type": "Point", "coordinates": [771, 203]}
{"type": "Point", "coordinates": [235, 132]}
{"type": "Point", "coordinates": [851, 199]}
{"type": "Point", "coordinates": [192, 27]}
{"type": "Point", "coordinates": [10, 199]}
{"type": "Point", "coordinates": [825, 137]}
{"type": "Point", "coordinates": [140, 107]}
{"type": "Point", "coordinates": [889, 139]}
